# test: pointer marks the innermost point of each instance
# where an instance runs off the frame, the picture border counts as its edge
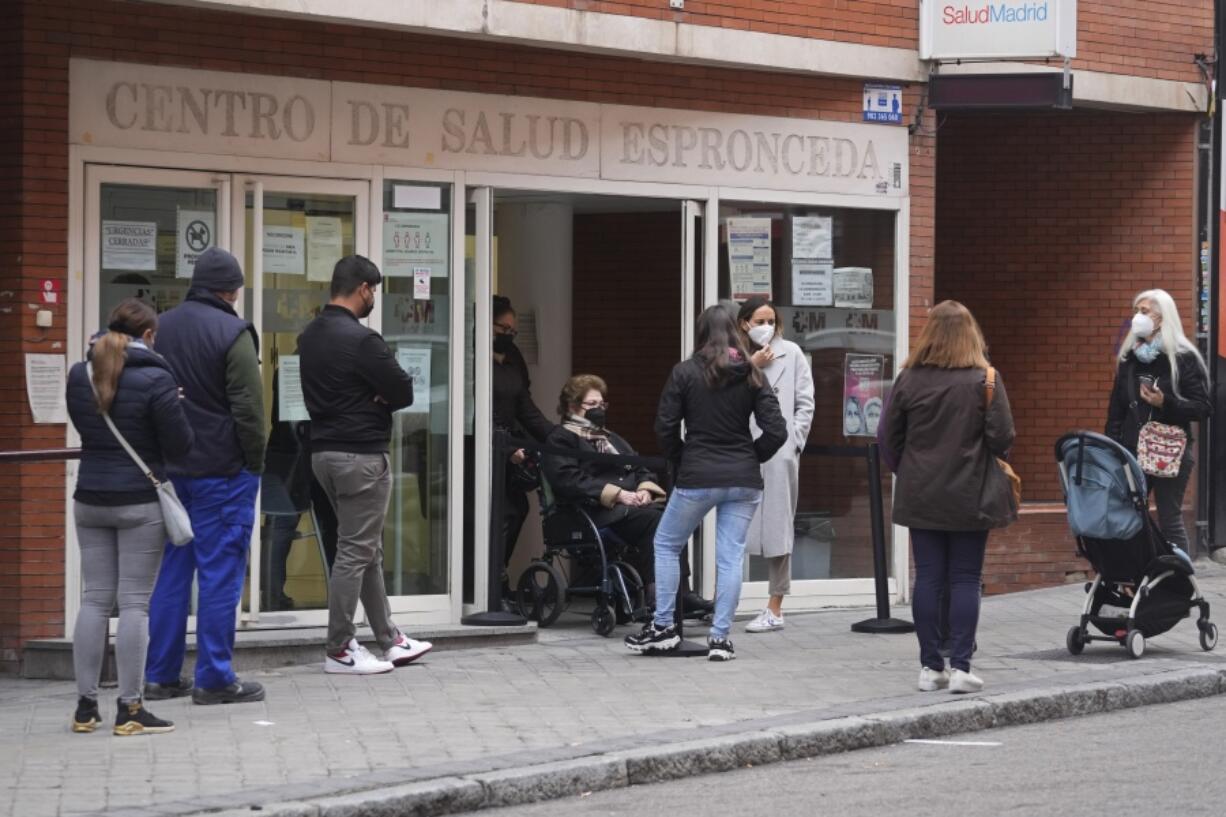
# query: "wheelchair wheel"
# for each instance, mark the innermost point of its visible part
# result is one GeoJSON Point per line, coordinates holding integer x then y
{"type": "Point", "coordinates": [603, 621]}
{"type": "Point", "coordinates": [629, 592]}
{"type": "Point", "coordinates": [541, 593]}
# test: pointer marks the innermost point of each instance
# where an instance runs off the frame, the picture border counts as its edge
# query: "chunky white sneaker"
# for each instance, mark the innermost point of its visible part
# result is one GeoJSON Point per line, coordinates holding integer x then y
{"type": "Point", "coordinates": [930, 680]}
{"type": "Point", "coordinates": [355, 660]}
{"type": "Point", "coordinates": [963, 682]}
{"type": "Point", "coordinates": [765, 622]}
{"type": "Point", "coordinates": [406, 650]}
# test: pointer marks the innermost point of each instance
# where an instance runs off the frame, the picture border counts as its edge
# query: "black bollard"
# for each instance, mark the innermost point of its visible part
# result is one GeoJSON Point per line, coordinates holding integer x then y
{"type": "Point", "coordinates": [883, 623]}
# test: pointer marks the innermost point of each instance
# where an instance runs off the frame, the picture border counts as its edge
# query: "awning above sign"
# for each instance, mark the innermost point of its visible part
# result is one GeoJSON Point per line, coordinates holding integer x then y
{"type": "Point", "coordinates": [997, 29]}
{"type": "Point", "coordinates": [176, 109]}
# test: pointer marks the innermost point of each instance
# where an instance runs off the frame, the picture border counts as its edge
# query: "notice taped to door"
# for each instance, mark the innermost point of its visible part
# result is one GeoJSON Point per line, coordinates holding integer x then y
{"type": "Point", "coordinates": [195, 232]}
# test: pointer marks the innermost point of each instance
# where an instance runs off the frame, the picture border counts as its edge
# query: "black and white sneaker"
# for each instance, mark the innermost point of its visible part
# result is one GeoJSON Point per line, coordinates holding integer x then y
{"type": "Point", "coordinates": [720, 649]}
{"type": "Point", "coordinates": [653, 639]}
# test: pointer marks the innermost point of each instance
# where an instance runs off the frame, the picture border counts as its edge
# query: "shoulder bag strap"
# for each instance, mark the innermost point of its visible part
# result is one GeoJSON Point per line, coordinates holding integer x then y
{"type": "Point", "coordinates": [989, 387]}
{"type": "Point", "coordinates": [89, 371]}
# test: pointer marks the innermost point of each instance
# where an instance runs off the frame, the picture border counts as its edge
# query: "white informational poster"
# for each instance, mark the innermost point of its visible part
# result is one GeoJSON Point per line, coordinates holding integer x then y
{"type": "Point", "coordinates": [749, 257]}
{"type": "Point", "coordinates": [195, 232]}
{"type": "Point", "coordinates": [323, 246]}
{"type": "Point", "coordinates": [130, 245]}
{"type": "Point", "coordinates": [291, 405]}
{"type": "Point", "coordinates": [853, 287]}
{"type": "Point", "coordinates": [415, 240]}
{"type": "Point", "coordinates": [421, 283]}
{"type": "Point", "coordinates": [416, 361]}
{"type": "Point", "coordinates": [45, 388]}
{"type": "Point", "coordinates": [284, 251]}
{"type": "Point", "coordinates": [812, 283]}
{"type": "Point", "coordinates": [813, 237]}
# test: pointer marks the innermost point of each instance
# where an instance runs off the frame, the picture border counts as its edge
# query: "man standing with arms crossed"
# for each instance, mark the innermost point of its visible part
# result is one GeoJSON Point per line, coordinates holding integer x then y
{"type": "Point", "coordinates": [215, 356]}
{"type": "Point", "coordinates": [352, 384]}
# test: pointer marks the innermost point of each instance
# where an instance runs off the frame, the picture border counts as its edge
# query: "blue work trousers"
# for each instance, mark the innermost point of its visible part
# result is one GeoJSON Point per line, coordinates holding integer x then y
{"type": "Point", "coordinates": [222, 511]}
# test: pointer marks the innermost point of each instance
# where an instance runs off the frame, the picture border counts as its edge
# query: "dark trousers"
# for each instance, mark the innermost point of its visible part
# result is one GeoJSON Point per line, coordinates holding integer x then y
{"type": "Point", "coordinates": [953, 559]}
{"type": "Point", "coordinates": [636, 527]}
{"type": "Point", "coordinates": [1168, 499]}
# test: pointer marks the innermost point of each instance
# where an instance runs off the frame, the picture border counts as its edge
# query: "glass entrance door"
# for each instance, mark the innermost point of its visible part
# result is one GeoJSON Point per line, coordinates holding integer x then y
{"type": "Point", "coordinates": [290, 232]}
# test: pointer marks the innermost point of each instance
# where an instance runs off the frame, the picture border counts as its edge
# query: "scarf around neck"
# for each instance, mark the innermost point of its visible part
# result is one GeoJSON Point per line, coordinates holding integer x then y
{"type": "Point", "coordinates": [583, 428]}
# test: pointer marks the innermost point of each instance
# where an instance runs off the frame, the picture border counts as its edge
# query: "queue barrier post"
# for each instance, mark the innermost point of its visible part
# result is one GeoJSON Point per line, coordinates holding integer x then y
{"type": "Point", "coordinates": [494, 615]}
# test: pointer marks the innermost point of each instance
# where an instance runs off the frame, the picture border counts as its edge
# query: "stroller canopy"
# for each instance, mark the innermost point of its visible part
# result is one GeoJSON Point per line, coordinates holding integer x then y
{"type": "Point", "coordinates": [1104, 486]}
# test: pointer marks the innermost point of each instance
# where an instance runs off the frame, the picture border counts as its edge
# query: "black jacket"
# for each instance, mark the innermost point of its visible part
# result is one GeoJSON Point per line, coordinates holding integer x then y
{"type": "Point", "coordinates": [149, 414]}
{"type": "Point", "coordinates": [719, 450]}
{"type": "Point", "coordinates": [590, 483]}
{"type": "Point", "coordinates": [937, 426]}
{"type": "Point", "coordinates": [514, 410]}
{"type": "Point", "coordinates": [344, 367]}
{"type": "Point", "coordinates": [1127, 412]}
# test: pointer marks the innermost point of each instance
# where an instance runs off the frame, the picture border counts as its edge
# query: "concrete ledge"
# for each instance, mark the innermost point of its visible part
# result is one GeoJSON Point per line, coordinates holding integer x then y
{"type": "Point", "coordinates": [51, 659]}
{"type": "Point", "coordinates": [946, 716]}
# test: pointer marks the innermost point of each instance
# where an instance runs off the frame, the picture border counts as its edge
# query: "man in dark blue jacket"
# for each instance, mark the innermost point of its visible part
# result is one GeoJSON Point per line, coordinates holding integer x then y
{"type": "Point", "coordinates": [352, 384]}
{"type": "Point", "coordinates": [215, 355]}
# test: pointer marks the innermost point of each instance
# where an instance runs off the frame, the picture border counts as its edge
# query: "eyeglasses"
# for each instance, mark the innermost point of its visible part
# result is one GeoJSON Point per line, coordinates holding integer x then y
{"type": "Point", "coordinates": [507, 330]}
{"type": "Point", "coordinates": [589, 406]}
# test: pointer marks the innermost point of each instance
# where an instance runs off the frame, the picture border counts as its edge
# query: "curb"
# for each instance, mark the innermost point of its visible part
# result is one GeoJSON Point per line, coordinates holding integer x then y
{"type": "Point", "coordinates": [568, 778]}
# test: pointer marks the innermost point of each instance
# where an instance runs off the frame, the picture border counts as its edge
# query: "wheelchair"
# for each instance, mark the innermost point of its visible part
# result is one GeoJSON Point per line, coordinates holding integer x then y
{"type": "Point", "coordinates": [595, 566]}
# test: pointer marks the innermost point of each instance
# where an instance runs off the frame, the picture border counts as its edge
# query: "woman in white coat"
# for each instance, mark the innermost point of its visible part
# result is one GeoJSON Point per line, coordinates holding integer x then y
{"type": "Point", "coordinates": [772, 531]}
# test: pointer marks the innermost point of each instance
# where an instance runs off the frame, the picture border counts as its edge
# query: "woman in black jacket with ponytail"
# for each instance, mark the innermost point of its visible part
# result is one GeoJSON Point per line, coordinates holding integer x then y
{"type": "Point", "coordinates": [119, 521]}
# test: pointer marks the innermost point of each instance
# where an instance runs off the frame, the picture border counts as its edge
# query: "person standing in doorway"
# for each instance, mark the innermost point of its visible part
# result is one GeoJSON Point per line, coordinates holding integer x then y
{"type": "Point", "coordinates": [1159, 376]}
{"type": "Point", "coordinates": [215, 354]}
{"type": "Point", "coordinates": [944, 436]}
{"type": "Point", "coordinates": [119, 521]}
{"type": "Point", "coordinates": [773, 532]}
{"type": "Point", "coordinates": [718, 465]}
{"type": "Point", "coordinates": [352, 385]}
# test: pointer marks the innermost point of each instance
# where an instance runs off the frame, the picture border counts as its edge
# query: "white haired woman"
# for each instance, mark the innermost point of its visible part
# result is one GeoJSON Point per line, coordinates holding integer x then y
{"type": "Point", "coordinates": [1159, 376]}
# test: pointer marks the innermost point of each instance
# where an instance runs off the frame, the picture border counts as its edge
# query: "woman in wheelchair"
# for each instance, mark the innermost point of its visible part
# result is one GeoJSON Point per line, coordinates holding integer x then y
{"type": "Point", "coordinates": [622, 499]}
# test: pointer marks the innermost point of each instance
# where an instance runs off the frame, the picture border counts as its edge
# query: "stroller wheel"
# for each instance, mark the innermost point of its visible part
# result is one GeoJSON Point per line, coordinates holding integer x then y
{"type": "Point", "coordinates": [603, 621]}
{"type": "Point", "coordinates": [1135, 643]}
{"type": "Point", "coordinates": [1208, 635]}
{"type": "Point", "coordinates": [1075, 641]}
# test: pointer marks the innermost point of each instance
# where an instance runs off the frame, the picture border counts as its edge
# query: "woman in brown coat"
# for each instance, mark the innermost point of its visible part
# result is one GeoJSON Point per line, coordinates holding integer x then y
{"type": "Point", "coordinates": [950, 492]}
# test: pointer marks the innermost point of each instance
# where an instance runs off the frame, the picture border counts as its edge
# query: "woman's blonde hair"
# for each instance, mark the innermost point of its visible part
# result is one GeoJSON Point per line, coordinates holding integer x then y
{"type": "Point", "coordinates": [576, 389]}
{"type": "Point", "coordinates": [951, 340]}
{"type": "Point", "coordinates": [129, 321]}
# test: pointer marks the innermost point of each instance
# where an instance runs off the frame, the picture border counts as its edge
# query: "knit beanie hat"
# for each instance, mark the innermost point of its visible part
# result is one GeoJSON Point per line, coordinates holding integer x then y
{"type": "Point", "coordinates": [218, 271]}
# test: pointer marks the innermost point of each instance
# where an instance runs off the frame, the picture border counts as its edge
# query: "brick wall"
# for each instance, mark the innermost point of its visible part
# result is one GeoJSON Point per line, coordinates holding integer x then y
{"type": "Point", "coordinates": [1047, 226]}
{"type": "Point", "coordinates": [1146, 38]}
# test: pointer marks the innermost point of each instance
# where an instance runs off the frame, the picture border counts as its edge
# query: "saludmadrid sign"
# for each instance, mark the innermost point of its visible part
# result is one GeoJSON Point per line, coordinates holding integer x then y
{"type": "Point", "coordinates": [997, 29]}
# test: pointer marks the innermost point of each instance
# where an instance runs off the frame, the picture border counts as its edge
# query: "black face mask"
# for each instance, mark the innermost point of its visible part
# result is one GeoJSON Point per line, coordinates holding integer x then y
{"type": "Point", "coordinates": [503, 344]}
{"type": "Point", "coordinates": [596, 417]}
{"type": "Point", "coordinates": [367, 308]}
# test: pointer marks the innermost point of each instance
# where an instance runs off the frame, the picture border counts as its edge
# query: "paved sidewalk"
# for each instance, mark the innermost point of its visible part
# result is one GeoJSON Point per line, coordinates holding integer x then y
{"type": "Point", "coordinates": [573, 695]}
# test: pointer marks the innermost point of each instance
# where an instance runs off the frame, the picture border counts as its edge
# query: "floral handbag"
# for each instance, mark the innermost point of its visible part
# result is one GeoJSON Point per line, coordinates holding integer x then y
{"type": "Point", "coordinates": [1160, 449]}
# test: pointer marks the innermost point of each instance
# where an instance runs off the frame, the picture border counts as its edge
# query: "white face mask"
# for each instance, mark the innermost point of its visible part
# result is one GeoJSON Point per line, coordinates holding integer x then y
{"type": "Point", "coordinates": [761, 334]}
{"type": "Point", "coordinates": [1142, 325]}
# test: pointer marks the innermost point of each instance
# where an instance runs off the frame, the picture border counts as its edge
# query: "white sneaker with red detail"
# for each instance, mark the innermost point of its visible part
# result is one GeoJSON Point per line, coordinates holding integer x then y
{"type": "Point", "coordinates": [406, 650]}
{"type": "Point", "coordinates": [355, 660]}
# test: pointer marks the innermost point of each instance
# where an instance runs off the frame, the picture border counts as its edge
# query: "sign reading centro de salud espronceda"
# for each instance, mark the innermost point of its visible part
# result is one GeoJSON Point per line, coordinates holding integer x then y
{"type": "Point", "coordinates": [997, 29]}
{"type": "Point", "coordinates": [212, 112]}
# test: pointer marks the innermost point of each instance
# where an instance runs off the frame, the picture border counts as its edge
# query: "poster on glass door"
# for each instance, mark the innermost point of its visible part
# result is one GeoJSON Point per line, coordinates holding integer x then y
{"type": "Point", "coordinates": [749, 257]}
{"type": "Point", "coordinates": [415, 240]}
{"type": "Point", "coordinates": [863, 388]}
{"type": "Point", "coordinates": [195, 232]}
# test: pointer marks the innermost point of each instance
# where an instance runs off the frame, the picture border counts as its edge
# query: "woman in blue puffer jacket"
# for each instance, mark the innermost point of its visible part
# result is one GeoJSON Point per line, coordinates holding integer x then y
{"type": "Point", "coordinates": [118, 518]}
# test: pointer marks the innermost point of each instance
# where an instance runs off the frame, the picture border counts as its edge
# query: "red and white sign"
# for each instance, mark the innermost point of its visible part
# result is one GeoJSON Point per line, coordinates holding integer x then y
{"type": "Point", "coordinates": [51, 291]}
{"type": "Point", "coordinates": [997, 29]}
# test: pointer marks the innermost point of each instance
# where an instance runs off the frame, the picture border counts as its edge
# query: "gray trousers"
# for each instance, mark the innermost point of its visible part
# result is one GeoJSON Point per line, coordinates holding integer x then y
{"type": "Point", "coordinates": [779, 574]}
{"type": "Point", "coordinates": [1168, 498]}
{"type": "Point", "coordinates": [121, 551]}
{"type": "Point", "coordinates": [359, 487]}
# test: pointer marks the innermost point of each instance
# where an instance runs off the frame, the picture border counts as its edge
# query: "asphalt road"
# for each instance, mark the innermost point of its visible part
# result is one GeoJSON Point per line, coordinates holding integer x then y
{"type": "Point", "coordinates": [1139, 761]}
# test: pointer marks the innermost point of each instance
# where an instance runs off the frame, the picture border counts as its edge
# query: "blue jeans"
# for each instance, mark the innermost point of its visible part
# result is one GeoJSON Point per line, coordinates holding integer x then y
{"type": "Point", "coordinates": [686, 507]}
{"type": "Point", "coordinates": [956, 558]}
{"type": "Point", "coordinates": [222, 511]}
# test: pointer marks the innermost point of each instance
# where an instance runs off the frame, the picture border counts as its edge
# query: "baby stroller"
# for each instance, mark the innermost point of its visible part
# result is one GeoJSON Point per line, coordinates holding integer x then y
{"type": "Point", "coordinates": [596, 569]}
{"type": "Point", "coordinates": [1147, 585]}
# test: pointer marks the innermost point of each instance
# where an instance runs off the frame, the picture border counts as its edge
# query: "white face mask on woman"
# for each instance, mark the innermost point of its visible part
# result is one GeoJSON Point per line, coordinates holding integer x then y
{"type": "Point", "coordinates": [1142, 325]}
{"type": "Point", "coordinates": [761, 334]}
